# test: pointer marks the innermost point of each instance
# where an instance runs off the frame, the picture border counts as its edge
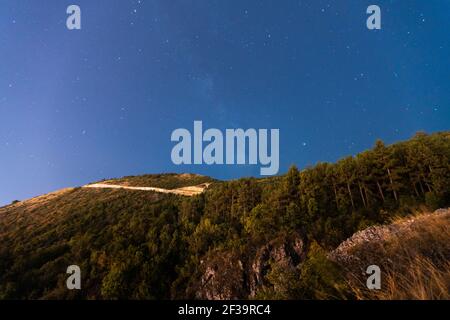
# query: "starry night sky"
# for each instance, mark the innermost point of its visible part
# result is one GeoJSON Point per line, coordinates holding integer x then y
{"type": "Point", "coordinates": [101, 102]}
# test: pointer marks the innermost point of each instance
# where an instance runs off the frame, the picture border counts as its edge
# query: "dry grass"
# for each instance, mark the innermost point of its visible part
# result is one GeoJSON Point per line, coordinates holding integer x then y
{"type": "Point", "coordinates": [420, 280]}
{"type": "Point", "coordinates": [423, 280]}
{"type": "Point", "coordinates": [415, 261]}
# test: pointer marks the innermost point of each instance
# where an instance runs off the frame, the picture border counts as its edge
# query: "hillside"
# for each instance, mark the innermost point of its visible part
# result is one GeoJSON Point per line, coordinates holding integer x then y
{"type": "Point", "coordinates": [248, 238]}
{"type": "Point", "coordinates": [412, 252]}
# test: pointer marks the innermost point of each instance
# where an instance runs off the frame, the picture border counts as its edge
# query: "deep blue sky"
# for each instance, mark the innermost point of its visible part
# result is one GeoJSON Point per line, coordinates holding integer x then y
{"type": "Point", "coordinates": [79, 106]}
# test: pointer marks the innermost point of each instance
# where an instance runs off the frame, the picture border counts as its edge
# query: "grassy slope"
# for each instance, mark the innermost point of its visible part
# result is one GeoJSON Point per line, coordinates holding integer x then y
{"type": "Point", "coordinates": [413, 254]}
{"type": "Point", "coordinates": [91, 228]}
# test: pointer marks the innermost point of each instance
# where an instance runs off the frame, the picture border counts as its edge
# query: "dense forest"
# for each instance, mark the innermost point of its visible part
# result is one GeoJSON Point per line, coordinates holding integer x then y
{"type": "Point", "coordinates": [144, 245]}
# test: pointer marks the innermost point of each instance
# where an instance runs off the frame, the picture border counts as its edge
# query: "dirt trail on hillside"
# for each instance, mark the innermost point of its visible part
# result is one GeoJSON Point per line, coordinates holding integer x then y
{"type": "Point", "coordinates": [185, 191]}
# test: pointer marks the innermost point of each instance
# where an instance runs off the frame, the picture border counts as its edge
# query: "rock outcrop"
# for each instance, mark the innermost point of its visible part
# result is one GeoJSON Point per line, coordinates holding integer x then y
{"type": "Point", "coordinates": [376, 235]}
{"type": "Point", "coordinates": [223, 277]}
{"type": "Point", "coordinates": [287, 253]}
{"type": "Point", "coordinates": [229, 275]}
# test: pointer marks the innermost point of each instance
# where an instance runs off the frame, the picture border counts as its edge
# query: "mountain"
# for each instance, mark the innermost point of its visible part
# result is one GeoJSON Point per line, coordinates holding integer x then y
{"type": "Point", "coordinates": [279, 238]}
